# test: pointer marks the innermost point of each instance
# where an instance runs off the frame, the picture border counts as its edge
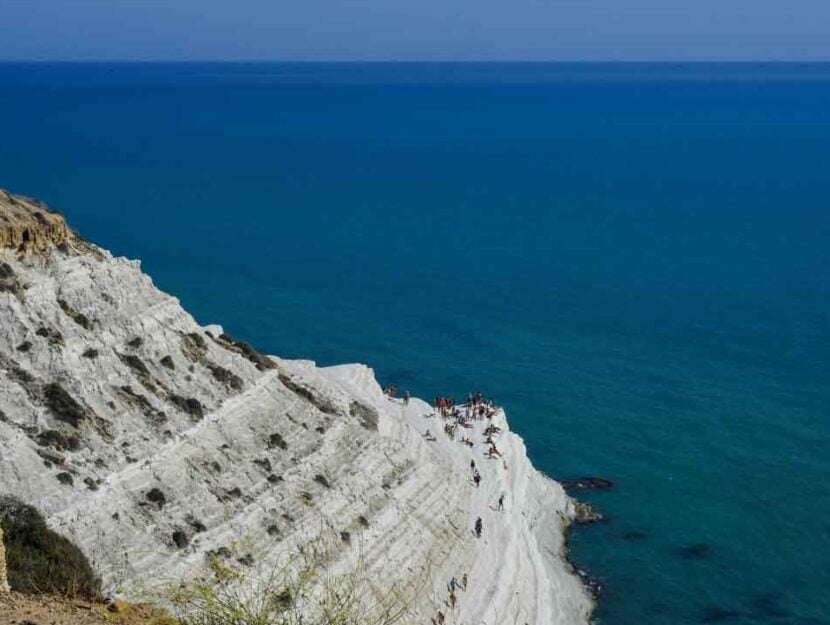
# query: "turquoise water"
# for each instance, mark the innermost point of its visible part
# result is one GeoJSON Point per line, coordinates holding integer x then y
{"type": "Point", "coordinates": [633, 259]}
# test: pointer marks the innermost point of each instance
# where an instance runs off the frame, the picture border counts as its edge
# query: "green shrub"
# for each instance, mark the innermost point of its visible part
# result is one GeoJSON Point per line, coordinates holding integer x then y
{"type": "Point", "coordinates": [40, 560]}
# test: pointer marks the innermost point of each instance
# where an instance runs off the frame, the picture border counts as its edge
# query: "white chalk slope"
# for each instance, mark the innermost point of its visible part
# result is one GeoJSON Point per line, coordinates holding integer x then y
{"type": "Point", "coordinates": [109, 389]}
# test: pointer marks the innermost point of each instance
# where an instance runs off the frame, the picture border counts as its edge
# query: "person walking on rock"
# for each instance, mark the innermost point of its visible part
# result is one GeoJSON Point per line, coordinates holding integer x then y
{"type": "Point", "coordinates": [501, 502]}
{"type": "Point", "coordinates": [406, 397]}
{"type": "Point", "coordinates": [479, 526]}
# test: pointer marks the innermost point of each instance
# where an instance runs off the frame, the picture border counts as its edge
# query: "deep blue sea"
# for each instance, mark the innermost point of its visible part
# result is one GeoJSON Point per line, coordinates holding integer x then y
{"type": "Point", "coordinates": [633, 259]}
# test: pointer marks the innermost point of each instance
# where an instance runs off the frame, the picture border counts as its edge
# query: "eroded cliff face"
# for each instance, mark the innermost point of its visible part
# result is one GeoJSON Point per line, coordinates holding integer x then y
{"type": "Point", "coordinates": [153, 443]}
{"type": "Point", "coordinates": [27, 225]}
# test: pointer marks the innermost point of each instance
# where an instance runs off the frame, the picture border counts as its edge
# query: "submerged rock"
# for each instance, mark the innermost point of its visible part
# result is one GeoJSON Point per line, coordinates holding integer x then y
{"type": "Point", "coordinates": [586, 513]}
{"type": "Point", "coordinates": [695, 552]}
{"type": "Point", "coordinates": [587, 483]}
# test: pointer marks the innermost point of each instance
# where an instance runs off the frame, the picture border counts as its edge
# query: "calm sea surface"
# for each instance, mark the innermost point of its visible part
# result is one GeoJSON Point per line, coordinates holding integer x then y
{"type": "Point", "coordinates": [633, 259]}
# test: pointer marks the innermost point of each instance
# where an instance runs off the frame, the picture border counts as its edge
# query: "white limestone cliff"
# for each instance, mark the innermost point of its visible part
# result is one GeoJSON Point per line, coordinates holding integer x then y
{"type": "Point", "coordinates": [150, 441]}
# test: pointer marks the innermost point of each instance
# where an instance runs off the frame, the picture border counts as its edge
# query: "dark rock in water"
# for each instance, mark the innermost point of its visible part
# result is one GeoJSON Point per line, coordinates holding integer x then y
{"type": "Point", "coordinates": [635, 535]}
{"type": "Point", "coordinates": [768, 605]}
{"type": "Point", "coordinates": [694, 552]}
{"type": "Point", "coordinates": [586, 513]}
{"type": "Point", "coordinates": [592, 584]}
{"type": "Point", "coordinates": [717, 614]}
{"type": "Point", "coordinates": [586, 483]}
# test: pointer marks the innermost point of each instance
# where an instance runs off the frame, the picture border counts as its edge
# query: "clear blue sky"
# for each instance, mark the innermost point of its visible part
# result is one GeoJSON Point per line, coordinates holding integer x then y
{"type": "Point", "coordinates": [415, 29]}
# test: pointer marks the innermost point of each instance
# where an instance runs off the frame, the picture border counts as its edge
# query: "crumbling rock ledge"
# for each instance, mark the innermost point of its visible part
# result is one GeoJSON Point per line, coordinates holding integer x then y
{"type": "Point", "coordinates": [27, 225]}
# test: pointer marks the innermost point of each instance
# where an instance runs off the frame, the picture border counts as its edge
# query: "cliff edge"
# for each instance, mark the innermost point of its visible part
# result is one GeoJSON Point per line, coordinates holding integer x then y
{"type": "Point", "coordinates": [161, 447]}
{"type": "Point", "coordinates": [27, 224]}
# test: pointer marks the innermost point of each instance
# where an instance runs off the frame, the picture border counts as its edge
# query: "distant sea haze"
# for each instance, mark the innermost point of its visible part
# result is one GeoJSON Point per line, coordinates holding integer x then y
{"type": "Point", "coordinates": [632, 259]}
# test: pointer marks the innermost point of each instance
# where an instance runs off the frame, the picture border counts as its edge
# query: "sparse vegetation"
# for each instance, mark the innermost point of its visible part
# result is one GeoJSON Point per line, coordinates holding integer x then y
{"type": "Point", "coordinates": [79, 318]}
{"type": "Point", "coordinates": [53, 336]}
{"type": "Point", "coordinates": [321, 403]}
{"type": "Point", "coordinates": [135, 363]}
{"type": "Point", "coordinates": [228, 342]}
{"type": "Point", "coordinates": [40, 560]}
{"type": "Point", "coordinates": [180, 539]}
{"type": "Point", "coordinates": [59, 440]}
{"type": "Point", "coordinates": [63, 405]}
{"type": "Point", "coordinates": [300, 590]}
{"type": "Point", "coordinates": [65, 478]}
{"type": "Point", "coordinates": [367, 416]}
{"type": "Point", "coordinates": [189, 405]}
{"type": "Point", "coordinates": [194, 346]}
{"type": "Point", "coordinates": [228, 378]}
{"type": "Point", "coordinates": [157, 497]}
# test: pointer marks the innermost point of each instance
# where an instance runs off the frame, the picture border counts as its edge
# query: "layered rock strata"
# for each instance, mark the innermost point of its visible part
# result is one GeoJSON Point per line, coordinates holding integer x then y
{"type": "Point", "coordinates": [157, 444]}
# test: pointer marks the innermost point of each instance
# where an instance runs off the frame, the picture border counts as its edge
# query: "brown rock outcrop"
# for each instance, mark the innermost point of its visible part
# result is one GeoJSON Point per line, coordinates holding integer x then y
{"type": "Point", "coordinates": [27, 224]}
{"type": "Point", "coordinates": [4, 581]}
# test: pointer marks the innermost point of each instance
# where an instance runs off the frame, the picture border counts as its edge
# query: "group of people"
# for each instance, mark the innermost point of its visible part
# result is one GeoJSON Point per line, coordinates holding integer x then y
{"type": "Point", "coordinates": [391, 392]}
{"type": "Point", "coordinates": [452, 599]}
{"type": "Point", "coordinates": [476, 408]}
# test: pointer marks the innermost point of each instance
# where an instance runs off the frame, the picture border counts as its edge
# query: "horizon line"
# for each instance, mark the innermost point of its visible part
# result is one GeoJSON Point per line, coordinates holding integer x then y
{"type": "Point", "coordinates": [735, 61]}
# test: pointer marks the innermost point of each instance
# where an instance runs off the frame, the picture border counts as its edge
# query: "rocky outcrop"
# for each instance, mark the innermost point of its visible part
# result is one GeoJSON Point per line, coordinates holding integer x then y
{"type": "Point", "coordinates": [586, 483]}
{"type": "Point", "coordinates": [27, 224]}
{"type": "Point", "coordinates": [586, 513]}
{"type": "Point", "coordinates": [159, 446]}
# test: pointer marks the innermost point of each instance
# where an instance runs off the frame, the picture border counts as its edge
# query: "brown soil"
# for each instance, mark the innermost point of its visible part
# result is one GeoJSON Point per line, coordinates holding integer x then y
{"type": "Point", "coordinates": [17, 609]}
